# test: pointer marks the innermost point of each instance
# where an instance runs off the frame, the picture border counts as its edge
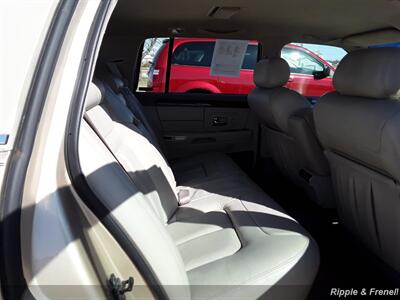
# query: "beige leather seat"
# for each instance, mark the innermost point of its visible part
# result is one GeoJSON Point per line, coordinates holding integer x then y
{"type": "Point", "coordinates": [229, 239]}
{"type": "Point", "coordinates": [288, 130]}
{"type": "Point", "coordinates": [359, 127]}
{"type": "Point", "coordinates": [123, 107]}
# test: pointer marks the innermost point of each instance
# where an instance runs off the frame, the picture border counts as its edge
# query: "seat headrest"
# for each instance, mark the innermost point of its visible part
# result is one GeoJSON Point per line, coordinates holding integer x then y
{"type": "Point", "coordinates": [372, 73]}
{"type": "Point", "coordinates": [271, 73]}
{"type": "Point", "coordinates": [94, 96]}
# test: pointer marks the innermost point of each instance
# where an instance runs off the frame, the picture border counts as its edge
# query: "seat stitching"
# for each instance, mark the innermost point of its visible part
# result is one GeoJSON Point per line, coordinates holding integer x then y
{"type": "Point", "coordinates": [261, 274]}
{"type": "Point", "coordinates": [252, 218]}
{"type": "Point", "coordinates": [203, 235]}
{"type": "Point", "coordinates": [284, 263]}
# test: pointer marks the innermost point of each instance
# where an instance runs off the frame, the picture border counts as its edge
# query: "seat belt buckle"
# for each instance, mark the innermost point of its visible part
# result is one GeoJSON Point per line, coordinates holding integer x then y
{"type": "Point", "coordinates": [184, 196]}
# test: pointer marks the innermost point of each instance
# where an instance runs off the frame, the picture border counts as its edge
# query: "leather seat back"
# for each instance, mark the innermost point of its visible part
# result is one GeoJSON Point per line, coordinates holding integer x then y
{"type": "Point", "coordinates": [288, 121]}
{"type": "Point", "coordinates": [140, 158]}
{"type": "Point", "coordinates": [127, 189]}
{"type": "Point", "coordinates": [199, 250]}
{"type": "Point", "coordinates": [131, 110]}
{"type": "Point", "coordinates": [359, 128]}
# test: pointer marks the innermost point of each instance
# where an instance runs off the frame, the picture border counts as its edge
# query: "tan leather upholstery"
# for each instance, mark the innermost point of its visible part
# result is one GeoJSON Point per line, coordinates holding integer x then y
{"type": "Point", "coordinates": [359, 128]}
{"type": "Point", "coordinates": [229, 233]}
{"type": "Point", "coordinates": [371, 73]}
{"type": "Point", "coordinates": [302, 128]}
{"type": "Point", "coordinates": [289, 130]}
{"type": "Point", "coordinates": [270, 73]}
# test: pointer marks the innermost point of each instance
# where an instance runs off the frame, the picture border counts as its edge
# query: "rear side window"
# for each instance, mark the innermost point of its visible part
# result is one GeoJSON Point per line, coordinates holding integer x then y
{"type": "Point", "coordinates": [193, 63]}
{"type": "Point", "coordinates": [191, 67]}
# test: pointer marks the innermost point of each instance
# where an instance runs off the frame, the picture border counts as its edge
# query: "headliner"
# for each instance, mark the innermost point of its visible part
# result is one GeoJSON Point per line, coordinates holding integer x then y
{"type": "Point", "coordinates": [320, 21]}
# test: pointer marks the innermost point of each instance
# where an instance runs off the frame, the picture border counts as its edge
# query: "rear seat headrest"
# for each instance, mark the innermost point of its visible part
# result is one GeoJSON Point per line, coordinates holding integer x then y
{"type": "Point", "coordinates": [94, 96]}
{"type": "Point", "coordinates": [271, 73]}
{"type": "Point", "coordinates": [372, 73]}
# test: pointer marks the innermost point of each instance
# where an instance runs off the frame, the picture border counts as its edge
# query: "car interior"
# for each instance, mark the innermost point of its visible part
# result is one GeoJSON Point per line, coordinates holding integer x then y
{"type": "Point", "coordinates": [265, 195]}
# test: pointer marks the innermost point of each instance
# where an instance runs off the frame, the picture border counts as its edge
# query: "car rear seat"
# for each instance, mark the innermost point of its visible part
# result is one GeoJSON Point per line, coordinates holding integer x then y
{"type": "Point", "coordinates": [232, 243]}
{"type": "Point", "coordinates": [193, 170]}
{"type": "Point", "coordinates": [289, 131]}
{"type": "Point", "coordinates": [358, 125]}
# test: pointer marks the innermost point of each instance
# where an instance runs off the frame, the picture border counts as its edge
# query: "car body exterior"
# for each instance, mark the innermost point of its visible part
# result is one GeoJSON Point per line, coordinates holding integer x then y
{"type": "Point", "coordinates": [191, 61]}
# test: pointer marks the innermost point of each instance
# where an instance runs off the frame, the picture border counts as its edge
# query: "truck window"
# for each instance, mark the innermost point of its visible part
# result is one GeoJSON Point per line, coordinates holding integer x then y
{"type": "Point", "coordinates": [194, 54]}
{"type": "Point", "coordinates": [300, 62]}
{"type": "Point", "coordinates": [311, 68]}
{"type": "Point", "coordinates": [250, 57]}
{"type": "Point", "coordinates": [200, 54]}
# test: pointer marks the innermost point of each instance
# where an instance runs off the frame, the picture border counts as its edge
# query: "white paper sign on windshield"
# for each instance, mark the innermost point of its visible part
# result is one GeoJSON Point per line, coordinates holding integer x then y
{"type": "Point", "coordinates": [228, 58]}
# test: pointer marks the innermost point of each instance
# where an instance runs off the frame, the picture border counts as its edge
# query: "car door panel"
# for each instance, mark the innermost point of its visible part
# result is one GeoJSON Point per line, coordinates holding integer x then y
{"type": "Point", "coordinates": [194, 123]}
{"type": "Point", "coordinates": [180, 118]}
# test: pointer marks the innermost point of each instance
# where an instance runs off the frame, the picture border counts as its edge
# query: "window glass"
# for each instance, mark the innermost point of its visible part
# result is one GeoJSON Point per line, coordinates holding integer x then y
{"type": "Point", "coordinates": [250, 58]}
{"type": "Point", "coordinates": [201, 53]}
{"type": "Point", "coordinates": [311, 68]}
{"type": "Point", "coordinates": [311, 65]}
{"type": "Point", "coordinates": [301, 62]}
{"type": "Point", "coordinates": [194, 54]}
{"type": "Point", "coordinates": [153, 65]}
{"type": "Point", "coordinates": [330, 54]}
{"type": "Point", "coordinates": [190, 69]}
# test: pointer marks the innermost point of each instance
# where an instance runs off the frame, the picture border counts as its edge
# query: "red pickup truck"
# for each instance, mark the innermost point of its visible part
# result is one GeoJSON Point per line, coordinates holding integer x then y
{"type": "Point", "coordinates": [190, 69]}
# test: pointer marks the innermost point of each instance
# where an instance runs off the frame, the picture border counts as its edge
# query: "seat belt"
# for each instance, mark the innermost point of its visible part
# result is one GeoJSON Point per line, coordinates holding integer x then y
{"type": "Point", "coordinates": [93, 127]}
{"type": "Point", "coordinates": [112, 66]}
{"type": "Point", "coordinates": [117, 286]}
{"type": "Point", "coordinates": [133, 103]}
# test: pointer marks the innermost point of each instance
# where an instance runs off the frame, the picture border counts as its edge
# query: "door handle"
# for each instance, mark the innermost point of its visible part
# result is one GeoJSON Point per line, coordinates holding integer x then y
{"type": "Point", "coordinates": [219, 121]}
{"type": "Point", "coordinates": [175, 138]}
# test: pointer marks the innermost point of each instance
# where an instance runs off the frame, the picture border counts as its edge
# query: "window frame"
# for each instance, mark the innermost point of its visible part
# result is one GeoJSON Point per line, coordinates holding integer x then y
{"type": "Point", "coordinates": [168, 67]}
